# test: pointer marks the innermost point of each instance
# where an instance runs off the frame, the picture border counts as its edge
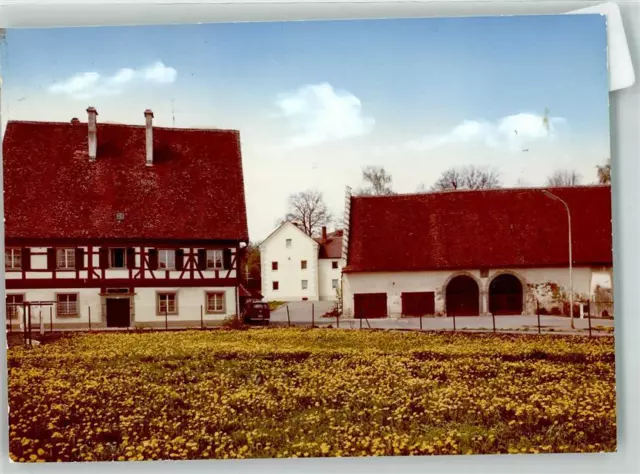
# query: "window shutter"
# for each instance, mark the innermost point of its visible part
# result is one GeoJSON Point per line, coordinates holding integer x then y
{"type": "Point", "coordinates": [51, 258]}
{"type": "Point", "coordinates": [153, 259]}
{"type": "Point", "coordinates": [179, 259]}
{"type": "Point", "coordinates": [79, 259]}
{"type": "Point", "coordinates": [104, 257]}
{"type": "Point", "coordinates": [202, 259]}
{"type": "Point", "coordinates": [26, 258]}
{"type": "Point", "coordinates": [226, 259]}
{"type": "Point", "coordinates": [131, 257]}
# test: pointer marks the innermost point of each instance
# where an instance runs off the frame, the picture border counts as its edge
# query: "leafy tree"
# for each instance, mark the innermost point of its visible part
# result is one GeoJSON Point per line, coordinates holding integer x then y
{"type": "Point", "coordinates": [561, 178]}
{"type": "Point", "coordinates": [467, 177]}
{"type": "Point", "coordinates": [378, 182]}
{"type": "Point", "coordinates": [308, 210]}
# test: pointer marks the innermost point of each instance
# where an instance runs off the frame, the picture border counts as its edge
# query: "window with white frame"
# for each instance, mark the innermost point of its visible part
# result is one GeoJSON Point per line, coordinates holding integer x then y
{"type": "Point", "coordinates": [67, 304]}
{"type": "Point", "coordinates": [334, 284]}
{"type": "Point", "coordinates": [12, 259]}
{"type": "Point", "coordinates": [305, 284]}
{"type": "Point", "coordinates": [66, 258]}
{"type": "Point", "coordinates": [166, 259]}
{"type": "Point", "coordinates": [215, 302]}
{"type": "Point", "coordinates": [288, 243]}
{"type": "Point", "coordinates": [214, 259]}
{"type": "Point", "coordinates": [13, 303]}
{"type": "Point", "coordinates": [167, 303]}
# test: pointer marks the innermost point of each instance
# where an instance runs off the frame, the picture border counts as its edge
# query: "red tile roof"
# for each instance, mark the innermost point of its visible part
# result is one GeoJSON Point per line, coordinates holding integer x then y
{"type": "Point", "coordinates": [193, 191]}
{"type": "Point", "coordinates": [479, 229]}
{"type": "Point", "coordinates": [332, 248]}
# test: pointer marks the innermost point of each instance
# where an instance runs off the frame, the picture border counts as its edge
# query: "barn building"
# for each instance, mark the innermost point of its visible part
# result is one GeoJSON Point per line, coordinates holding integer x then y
{"type": "Point", "coordinates": [296, 267]}
{"type": "Point", "coordinates": [469, 253]}
{"type": "Point", "coordinates": [125, 225]}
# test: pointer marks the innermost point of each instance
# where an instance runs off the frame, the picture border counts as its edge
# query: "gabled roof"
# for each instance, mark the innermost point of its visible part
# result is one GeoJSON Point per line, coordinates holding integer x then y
{"type": "Point", "coordinates": [332, 247]}
{"type": "Point", "coordinates": [282, 226]}
{"type": "Point", "coordinates": [194, 190]}
{"type": "Point", "coordinates": [480, 229]}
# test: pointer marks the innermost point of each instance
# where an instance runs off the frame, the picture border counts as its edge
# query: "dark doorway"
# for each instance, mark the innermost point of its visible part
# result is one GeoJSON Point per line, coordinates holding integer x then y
{"type": "Point", "coordinates": [418, 303]}
{"type": "Point", "coordinates": [463, 297]}
{"type": "Point", "coordinates": [118, 312]}
{"type": "Point", "coordinates": [505, 295]}
{"type": "Point", "coordinates": [370, 305]}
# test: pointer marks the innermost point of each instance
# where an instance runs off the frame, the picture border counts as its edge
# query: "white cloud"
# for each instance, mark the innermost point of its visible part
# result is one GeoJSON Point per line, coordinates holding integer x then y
{"type": "Point", "coordinates": [512, 133]}
{"type": "Point", "coordinates": [86, 85]}
{"type": "Point", "coordinates": [318, 113]}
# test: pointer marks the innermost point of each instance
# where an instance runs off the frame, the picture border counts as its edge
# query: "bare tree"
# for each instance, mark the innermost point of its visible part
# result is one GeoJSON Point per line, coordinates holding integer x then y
{"type": "Point", "coordinates": [561, 178]}
{"type": "Point", "coordinates": [467, 177]}
{"type": "Point", "coordinates": [378, 182]}
{"type": "Point", "coordinates": [308, 210]}
{"type": "Point", "coordinates": [604, 172]}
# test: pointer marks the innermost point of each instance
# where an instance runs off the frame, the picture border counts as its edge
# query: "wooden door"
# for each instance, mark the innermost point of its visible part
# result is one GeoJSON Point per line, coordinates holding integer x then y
{"type": "Point", "coordinates": [370, 305]}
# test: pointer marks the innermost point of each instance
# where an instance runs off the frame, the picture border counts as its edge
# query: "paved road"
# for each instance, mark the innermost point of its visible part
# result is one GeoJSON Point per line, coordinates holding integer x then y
{"type": "Point", "coordinates": [300, 315]}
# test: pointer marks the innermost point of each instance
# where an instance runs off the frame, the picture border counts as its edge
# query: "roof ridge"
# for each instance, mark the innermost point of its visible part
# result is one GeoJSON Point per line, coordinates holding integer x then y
{"type": "Point", "coordinates": [506, 189]}
{"type": "Point", "coordinates": [126, 125]}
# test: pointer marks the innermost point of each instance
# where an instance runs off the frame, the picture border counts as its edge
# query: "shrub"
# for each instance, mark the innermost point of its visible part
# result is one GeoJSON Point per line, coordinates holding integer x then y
{"type": "Point", "coordinates": [234, 322]}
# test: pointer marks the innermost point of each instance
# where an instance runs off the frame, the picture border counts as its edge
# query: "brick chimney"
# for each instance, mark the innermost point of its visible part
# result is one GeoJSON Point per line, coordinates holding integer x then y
{"type": "Point", "coordinates": [324, 233]}
{"type": "Point", "coordinates": [148, 115]}
{"type": "Point", "coordinates": [93, 133]}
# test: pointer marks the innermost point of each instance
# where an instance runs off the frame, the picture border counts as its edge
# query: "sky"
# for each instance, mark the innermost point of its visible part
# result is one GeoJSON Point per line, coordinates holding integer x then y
{"type": "Point", "coordinates": [316, 101]}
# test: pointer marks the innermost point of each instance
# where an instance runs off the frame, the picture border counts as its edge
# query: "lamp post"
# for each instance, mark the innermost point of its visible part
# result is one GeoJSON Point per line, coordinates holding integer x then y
{"type": "Point", "coordinates": [553, 196]}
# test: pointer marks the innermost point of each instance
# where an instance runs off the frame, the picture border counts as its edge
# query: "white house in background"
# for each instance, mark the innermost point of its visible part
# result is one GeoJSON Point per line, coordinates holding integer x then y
{"type": "Point", "coordinates": [297, 267]}
{"type": "Point", "coordinates": [470, 253]}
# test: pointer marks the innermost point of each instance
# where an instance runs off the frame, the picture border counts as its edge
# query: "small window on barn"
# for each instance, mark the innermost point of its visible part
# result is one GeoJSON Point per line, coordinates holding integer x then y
{"type": "Point", "coordinates": [215, 302]}
{"type": "Point", "coordinates": [117, 258]}
{"type": "Point", "coordinates": [166, 259]}
{"type": "Point", "coordinates": [303, 264]}
{"type": "Point", "coordinates": [334, 284]}
{"type": "Point", "coordinates": [334, 264]}
{"type": "Point", "coordinates": [275, 285]}
{"type": "Point", "coordinates": [274, 266]}
{"type": "Point", "coordinates": [13, 303]}
{"type": "Point", "coordinates": [67, 304]}
{"type": "Point", "coordinates": [12, 259]}
{"type": "Point", "coordinates": [66, 259]}
{"type": "Point", "coordinates": [167, 303]}
{"type": "Point", "coordinates": [119, 216]}
{"type": "Point", "coordinates": [288, 243]}
{"type": "Point", "coordinates": [214, 259]}
{"type": "Point", "coordinates": [305, 284]}
{"type": "Point", "coordinates": [484, 273]}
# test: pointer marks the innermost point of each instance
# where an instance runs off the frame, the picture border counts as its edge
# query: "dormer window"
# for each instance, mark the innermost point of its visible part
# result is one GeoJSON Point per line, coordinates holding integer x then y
{"type": "Point", "coordinates": [119, 216]}
{"type": "Point", "coordinates": [12, 259]}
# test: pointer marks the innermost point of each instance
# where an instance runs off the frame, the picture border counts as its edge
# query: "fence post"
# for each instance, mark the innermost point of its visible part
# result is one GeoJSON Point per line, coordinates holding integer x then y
{"type": "Point", "coordinates": [420, 322]}
{"type": "Point", "coordinates": [538, 313]}
{"type": "Point", "coordinates": [166, 319]}
{"type": "Point", "coordinates": [40, 321]}
{"type": "Point", "coordinates": [454, 322]}
{"type": "Point", "coordinates": [313, 315]}
{"type": "Point", "coordinates": [493, 318]}
{"type": "Point", "coordinates": [24, 322]}
{"type": "Point", "coordinates": [589, 316]}
{"type": "Point", "coordinates": [29, 321]}
{"type": "Point", "coordinates": [338, 320]}
{"type": "Point", "coordinates": [201, 317]}
{"type": "Point", "coordinates": [89, 308]}
{"type": "Point", "coordinates": [288, 317]}
{"type": "Point", "coordinates": [50, 318]}
{"type": "Point", "coordinates": [360, 323]}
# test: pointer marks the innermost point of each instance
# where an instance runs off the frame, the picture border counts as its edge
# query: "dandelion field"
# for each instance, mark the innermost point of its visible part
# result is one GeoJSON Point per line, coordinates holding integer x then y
{"type": "Point", "coordinates": [308, 393]}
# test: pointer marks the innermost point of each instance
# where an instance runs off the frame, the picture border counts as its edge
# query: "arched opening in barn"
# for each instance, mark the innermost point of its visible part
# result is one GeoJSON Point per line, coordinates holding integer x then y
{"type": "Point", "coordinates": [505, 295]}
{"type": "Point", "coordinates": [463, 297]}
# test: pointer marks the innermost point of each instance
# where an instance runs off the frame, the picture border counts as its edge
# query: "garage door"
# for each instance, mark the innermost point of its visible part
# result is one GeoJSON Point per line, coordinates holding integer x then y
{"type": "Point", "coordinates": [370, 305]}
{"type": "Point", "coordinates": [418, 303]}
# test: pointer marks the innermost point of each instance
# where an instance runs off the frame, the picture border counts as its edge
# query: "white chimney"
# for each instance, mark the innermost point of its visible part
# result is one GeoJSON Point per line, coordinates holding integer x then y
{"type": "Point", "coordinates": [148, 115]}
{"type": "Point", "coordinates": [93, 133]}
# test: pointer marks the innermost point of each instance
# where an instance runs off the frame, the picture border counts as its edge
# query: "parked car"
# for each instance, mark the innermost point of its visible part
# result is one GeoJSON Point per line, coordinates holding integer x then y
{"type": "Point", "coordinates": [256, 312]}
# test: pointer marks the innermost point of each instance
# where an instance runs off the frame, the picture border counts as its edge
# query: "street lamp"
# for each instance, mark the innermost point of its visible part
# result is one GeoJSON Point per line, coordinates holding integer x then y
{"type": "Point", "coordinates": [553, 196]}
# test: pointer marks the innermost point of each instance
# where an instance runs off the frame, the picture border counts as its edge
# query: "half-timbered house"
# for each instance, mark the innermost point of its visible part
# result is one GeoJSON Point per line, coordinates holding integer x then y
{"type": "Point", "coordinates": [123, 225]}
